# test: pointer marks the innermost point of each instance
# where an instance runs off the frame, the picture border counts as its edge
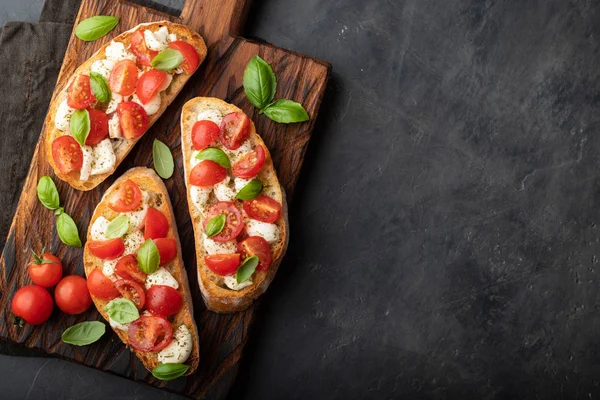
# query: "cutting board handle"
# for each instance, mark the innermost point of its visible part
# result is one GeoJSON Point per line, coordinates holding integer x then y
{"type": "Point", "coordinates": [215, 19]}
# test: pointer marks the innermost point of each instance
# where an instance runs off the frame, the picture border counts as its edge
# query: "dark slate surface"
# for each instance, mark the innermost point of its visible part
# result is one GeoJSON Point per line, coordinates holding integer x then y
{"type": "Point", "coordinates": [444, 236]}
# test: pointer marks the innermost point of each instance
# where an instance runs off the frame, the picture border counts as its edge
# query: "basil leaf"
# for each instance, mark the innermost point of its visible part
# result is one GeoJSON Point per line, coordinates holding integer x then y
{"type": "Point", "coordinates": [47, 193]}
{"type": "Point", "coordinates": [216, 155]}
{"type": "Point", "coordinates": [84, 333]}
{"type": "Point", "coordinates": [167, 60]}
{"type": "Point", "coordinates": [259, 82]}
{"type": "Point", "coordinates": [80, 125]}
{"type": "Point", "coordinates": [67, 230]}
{"type": "Point", "coordinates": [148, 257]}
{"type": "Point", "coordinates": [286, 111]}
{"type": "Point", "coordinates": [117, 227]}
{"type": "Point", "coordinates": [122, 310]}
{"type": "Point", "coordinates": [95, 27]}
{"type": "Point", "coordinates": [251, 190]}
{"type": "Point", "coordinates": [170, 371]}
{"type": "Point", "coordinates": [100, 87]}
{"type": "Point", "coordinates": [245, 271]}
{"type": "Point", "coordinates": [215, 225]}
{"type": "Point", "coordinates": [163, 159]}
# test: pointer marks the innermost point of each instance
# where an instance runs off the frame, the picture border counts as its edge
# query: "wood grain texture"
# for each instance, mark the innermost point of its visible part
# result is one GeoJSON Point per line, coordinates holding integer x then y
{"type": "Point", "coordinates": [222, 337]}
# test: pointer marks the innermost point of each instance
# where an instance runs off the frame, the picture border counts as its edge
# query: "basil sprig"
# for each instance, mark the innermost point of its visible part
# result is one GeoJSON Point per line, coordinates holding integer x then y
{"type": "Point", "coordinates": [216, 155]}
{"type": "Point", "coordinates": [80, 125]}
{"type": "Point", "coordinates": [148, 257]}
{"type": "Point", "coordinates": [251, 190]}
{"type": "Point", "coordinates": [47, 193]}
{"type": "Point", "coordinates": [170, 371]}
{"type": "Point", "coordinates": [215, 225]}
{"type": "Point", "coordinates": [84, 333]}
{"type": "Point", "coordinates": [65, 226]}
{"type": "Point", "coordinates": [67, 230]}
{"type": "Point", "coordinates": [100, 87]}
{"type": "Point", "coordinates": [117, 227]}
{"type": "Point", "coordinates": [122, 310]}
{"type": "Point", "coordinates": [163, 159]}
{"type": "Point", "coordinates": [167, 60]}
{"type": "Point", "coordinates": [245, 271]}
{"type": "Point", "coordinates": [260, 85]}
{"type": "Point", "coordinates": [95, 27]}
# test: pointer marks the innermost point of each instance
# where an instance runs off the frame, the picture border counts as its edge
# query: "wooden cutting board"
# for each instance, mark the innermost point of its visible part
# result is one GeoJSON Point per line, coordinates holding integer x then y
{"type": "Point", "coordinates": [222, 337]}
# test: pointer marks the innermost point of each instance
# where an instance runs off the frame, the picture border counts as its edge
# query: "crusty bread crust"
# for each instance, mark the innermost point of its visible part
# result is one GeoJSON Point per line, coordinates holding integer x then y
{"type": "Point", "coordinates": [217, 298]}
{"type": "Point", "coordinates": [148, 180]}
{"type": "Point", "coordinates": [51, 132]}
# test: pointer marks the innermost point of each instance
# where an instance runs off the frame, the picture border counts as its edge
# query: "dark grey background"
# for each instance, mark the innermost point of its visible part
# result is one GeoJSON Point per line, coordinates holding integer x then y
{"type": "Point", "coordinates": [444, 234]}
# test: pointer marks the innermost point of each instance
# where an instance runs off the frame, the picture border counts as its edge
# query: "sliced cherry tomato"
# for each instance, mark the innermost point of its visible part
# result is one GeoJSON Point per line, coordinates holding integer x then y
{"type": "Point", "coordinates": [234, 222]}
{"type": "Point", "coordinates": [263, 208]}
{"type": "Point", "coordinates": [156, 224]}
{"type": "Point", "coordinates": [133, 119]}
{"type": "Point", "coordinates": [150, 333]}
{"type": "Point", "coordinates": [32, 303]}
{"type": "Point", "coordinates": [235, 129]}
{"type": "Point", "coordinates": [167, 248]}
{"type": "Point", "coordinates": [79, 94]}
{"type": "Point", "coordinates": [110, 249]}
{"type": "Point", "coordinates": [223, 264]}
{"type": "Point", "coordinates": [250, 164]}
{"type": "Point", "coordinates": [149, 84]}
{"type": "Point", "coordinates": [45, 270]}
{"type": "Point", "coordinates": [67, 154]}
{"type": "Point", "coordinates": [72, 295]}
{"type": "Point", "coordinates": [256, 246]}
{"type": "Point", "coordinates": [207, 173]}
{"type": "Point", "coordinates": [163, 301]}
{"type": "Point", "coordinates": [123, 78]}
{"type": "Point", "coordinates": [101, 287]}
{"type": "Point", "coordinates": [189, 53]}
{"type": "Point", "coordinates": [127, 198]}
{"type": "Point", "coordinates": [128, 268]}
{"type": "Point", "coordinates": [98, 127]}
{"type": "Point", "coordinates": [138, 47]}
{"type": "Point", "coordinates": [204, 133]}
{"type": "Point", "coordinates": [131, 290]}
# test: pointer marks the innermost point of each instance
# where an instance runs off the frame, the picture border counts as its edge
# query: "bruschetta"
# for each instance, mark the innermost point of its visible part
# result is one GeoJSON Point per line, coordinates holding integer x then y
{"type": "Point", "coordinates": [115, 96]}
{"type": "Point", "coordinates": [135, 272]}
{"type": "Point", "coordinates": [237, 207]}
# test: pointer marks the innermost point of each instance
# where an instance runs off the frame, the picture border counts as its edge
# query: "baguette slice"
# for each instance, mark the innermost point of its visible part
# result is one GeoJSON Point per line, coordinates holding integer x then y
{"type": "Point", "coordinates": [148, 181]}
{"type": "Point", "coordinates": [51, 132]}
{"type": "Point", "coordinates": [217, 296]}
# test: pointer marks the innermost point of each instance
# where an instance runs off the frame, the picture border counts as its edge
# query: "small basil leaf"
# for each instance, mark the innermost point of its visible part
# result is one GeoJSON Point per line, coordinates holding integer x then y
{"type": "Point", "coordinates": [95, 27]}
{"type": "Point", "coordinates": [215, 225]}
{"type": "Point", "coordinates": [167, 60]}
{"type": "Point", "coordinates": [245, 271]}
{"type": "Point", "coordinates": [100, 87]}
{"type": "Point", "coordinates": [216, 155]}
{"type": "Point", "coordinates": [117, 227]}
{"type": "Point", "coordinates": [47, 193]}
{"type": "Point", "coordinates": [148, 257]}
{"type": "Point", "coordinates": [286, 111]}
{"type": "Point", "coordinates": [251, 190]}
{"type": "Point", "coordinates": [80, 125]}
{"type": "Point", "coordinates": [67, 230]}
{"type": "Point", "coordinates": [163, 159]}
{"type": "Point", "coordinates": [122, 310]}
{"type": "Point", "coordinates": [259, 82]}
{"type": "Point", "coordinates": [169, 371]}
{"type": "Point", "coordinates": [84, 333]}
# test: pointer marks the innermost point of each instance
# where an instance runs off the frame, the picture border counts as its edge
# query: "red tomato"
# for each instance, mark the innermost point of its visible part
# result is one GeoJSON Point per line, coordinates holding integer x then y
{"type": "Point", "coordinates": [149, 84]}
{"type": "Point", "coordinates": [72, 295]}
{"type": "Point", "coordinates": [79, 94]}
{"type": "Point", "coordinates": [256, 246]}
{"type": "Point", "coordinates": [132, 291]}
{"type": "Point", "coordinates": [163, 301]}
{"type": "Point", "coordinates": [250, 164]}
{"type": "Point", "coordinates": [138, 47]}
{"type": "Point", "coordinates": [234, 222]}
{"type": "Point", "coordinates": [223, 264]}
{"type": "Point", "coordinates": [189, 53]}
{"type": "Point", "coordinates": [98, 127]}
{"type": "Point", "coordinates": [133, 119]}
{"type": "Point", "coordinates": [45, 270]}
{"type": "Point", "coordinates": [33, 304]}
{"type": "Point", "coordinates": [123, 78]}
{"type": "Point", "coordinates": [67, 154]}
{"type": "Point", "coordinates": [204, 133]}
{"type": "Point", "coordinates": [235, 129]}
{"type": "Point", "coordinates": [156, 225]}
{"type": "Point", "coordinates": [167, 248]}
{"type": "Point", "coordinates": [110, 249]}
{"type": "Point", "coordinates": [150, 333]}
{"type": "Point", "coordinates": [263, 208]}
{"type": "Point", "coordinates": [127, 198]}
{"type": "Point", "coordinates": [128, 268]}
{"type": "Point", "coordinates": [207, 173]}
{"type": "Point", "coordinates": [100, 286]}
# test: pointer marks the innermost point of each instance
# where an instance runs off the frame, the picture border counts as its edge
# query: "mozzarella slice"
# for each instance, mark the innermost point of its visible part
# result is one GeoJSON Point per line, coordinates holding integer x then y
{"type": "Point", "coordinates": [136, 219]}
{"type": "Point", "coordinates": [166, 83]}
{"type": "Point", "coordinates": [161, 277]}
{"type": "Point", "coordinates": [180, 348]}
{"type": "Point", "coordinates": [238, 153]}
{"type": "Point", "coordinates": [194, 161]}
{"type": "Point", "coordinates": [114, 127]}
{"type": "Point", "coordinates": [98, 229]}
{"type": "Point", "coordinates": [152, 106]}
{"type": "Point", "coordinates": [156, 41]}
{"type": "Point", "coordinates": [115, 99]}
{"type": "Point", "coordinates": [88, 160]}
{"type": "Point", "coordinates": [104, 158]}
{"type": "Point", "coordinates": [270, 232]}
{"type": "Point", "coordinates": [239, 183]}
{"type": "Point", "coordinates": [116, 51]}
{"type": "Point", "coordinates": [232, 284]}
{"type": "Point", "coordinates": [133, 241]}
{"type": "Point", "coordinates": [108, 269]}
{"type": "Point", "coordinates": [116, 325]}
{"type": "Point", "coordinates": [223, 192]}
{"type": "Point", "coordinates": [103, 67]}
{"type": "Point", "coordinates": [213, 247]}
{"type": "Point", "coordinates": [199, 196]}
{"type": "Point", "coordinates": [172, 37]}
{"type": "Point", "coordinates": [63, 116]}
{"type": "Point", "coordinates": [211, 114]}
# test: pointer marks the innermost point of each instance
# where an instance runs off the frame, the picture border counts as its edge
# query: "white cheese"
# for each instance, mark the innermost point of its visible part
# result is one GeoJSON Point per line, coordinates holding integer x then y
{"type": "Point", "coordinates": [213, 247]}
{"type": "Point", "coordinates": [239, 183]}
{"type": "Point", "coordinates": [156, 41]}
{"type": "Point", "coordinates": [114, 127]}
{"type": "Point", "coordinates": [108, 269]}
{"type": "Point", "coordinates": [232, 284]}
{"type": "Point", "coordinates": [103, 67]}
{"type": "Point", "coordinates": [116, 325]}
{"type": "Point", "coordinates": [152, 106]}
{"type": "Point", "coordinates": [270, 232]}
{"type": "Point", "coordinates": [115, 99]}
{"type": "Point", "coordinates": [166, 83]}
{"type": "Point", "coordinates": [223, 192]}
{"type": "Point", "coordinates": [180, 348]}
{"type": "Point", "coordinates": [161, 277]}
{"type": "Point", "coordinates": [172, 37]}
{"type": "Point", "coordinates": [63, 116]}
{"type": "Point", "coordinates": [88, 160]}
{"type": "Point", "coordinates": [116, 51]}
{"type": "Point", "coordinates": [238, 153]}
{"type": "Point", "coordinates": [211, 114]}
{"type": "Point", "coordinates": [199, 196]}
{"type": "Point", "coordinates": [136, 218]}
{"type": "Point", "coordinates": [133, 241]}
{"type": "Point", "coordinates": [194, 161]}
{"type": "Point", "coordinates": [98, 229]}
{"type": "Point", "coordinates": [104, 158]}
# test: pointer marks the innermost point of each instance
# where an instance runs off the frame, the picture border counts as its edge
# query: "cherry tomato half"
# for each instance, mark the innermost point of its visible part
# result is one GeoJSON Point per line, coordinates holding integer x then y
{"type": "Point", "coordinates": [132, 291]}
{"type": "Point", "coordinates": [223, 264]}
{"type": "Point", "coordinates": [98, 127]}
{"type": "Point", "coordinates": [167, 249]}
{"type": "Point", "coordinates": [189, 53]}
{"type": "Point", "coordinates": [256, 246]}
{"type": "Point", "coordinates": [207, 173]}
{"type": "Point", "coordinates": [128, 269]}
{"type": "Point", "coordinates": [79, 93]}
{"type": "Point", "coordinates": [150, 333]}
{"type": "Point", "coordinates": [45, 270]}
{"type": "Point", "coordinates": [72, 295]}
{"type": "Point", "coordinates": [127, 198]}
{"type": "Point", "coordinates": [250, 164]}
{"type": "Point", "coordinates": [138, 47]}
{"type": "Point", "coordinates": [133, 119]}
{"type": "Point", "coordinates": [163, 301]}
{"type": "Point", "coordinates": [67, 154]}
{"type": "Point", "coordinates": [101, 286]}
{"type": "Point", "coordinates": [149, 84]}
{"type": "Point", "coordinates": [123, 78]}
{"type": "Point", "coordinates": [235, 129]}
{"type": "Point", "coordinates": [263, 208]}
{"type": "Point", "coordinates": [204, 133]}
{"type": "Point", "coordinates": [110, 249]}
{"type": "Point", "coordinates": [156, 225]}
{"type": "Point", "coordinates": [33, 304]}
{"type": "Point", "coordinates": [234, 222]}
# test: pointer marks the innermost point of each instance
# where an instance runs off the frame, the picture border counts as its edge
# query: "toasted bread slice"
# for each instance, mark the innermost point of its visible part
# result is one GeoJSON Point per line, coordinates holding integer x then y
{"type": "Point", "coordinates": [216, 295]}
{"type": "Point", "coordinates": [148, 181]}
{"type": "Point", "coordinates": [51, 132]}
